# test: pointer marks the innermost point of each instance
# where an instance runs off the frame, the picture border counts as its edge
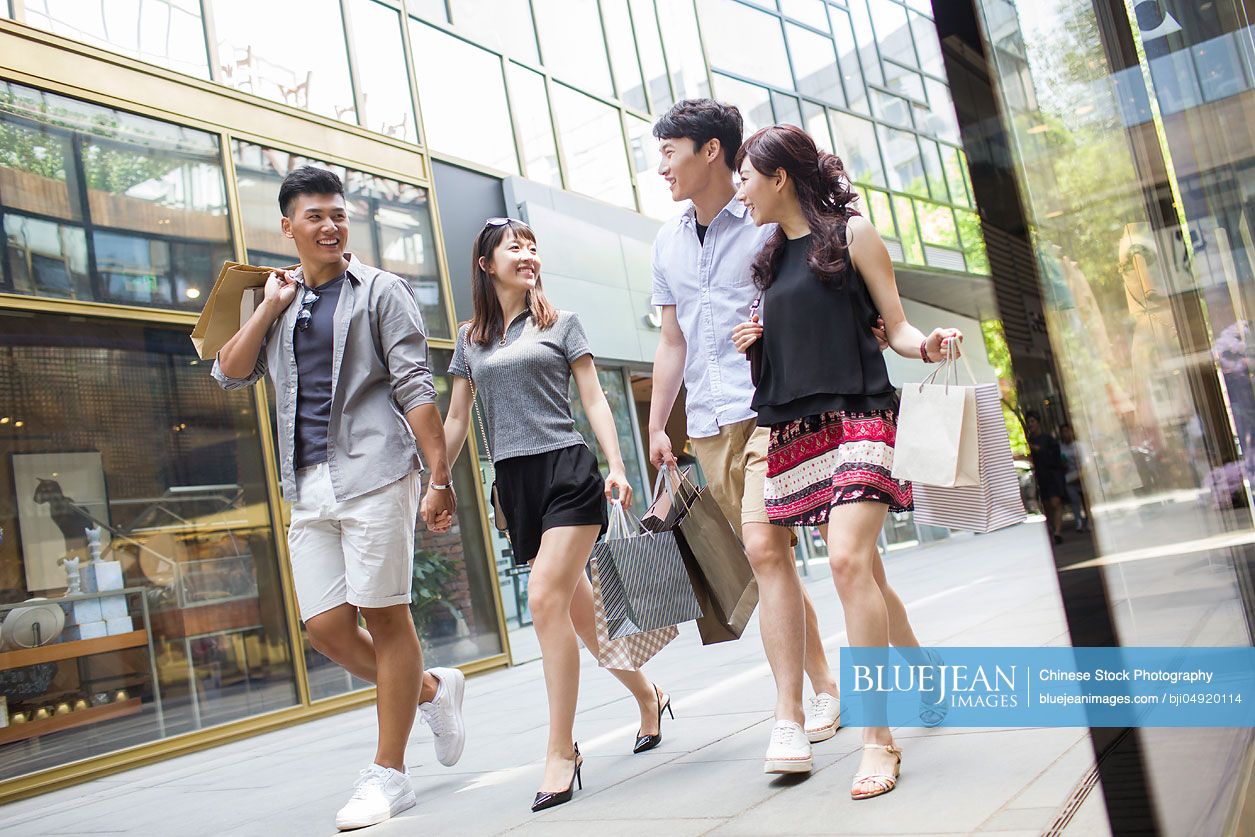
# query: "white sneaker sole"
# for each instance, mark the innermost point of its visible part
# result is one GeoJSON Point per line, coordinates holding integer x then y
{"type": "Point", "coordinates": [403, 803]}
{"type": "Point", "coordinates": [814, 736]}
{"type": "Point", "coordinates": [455, 683]}
{"type": "Point", "coordinates": [788, 765]}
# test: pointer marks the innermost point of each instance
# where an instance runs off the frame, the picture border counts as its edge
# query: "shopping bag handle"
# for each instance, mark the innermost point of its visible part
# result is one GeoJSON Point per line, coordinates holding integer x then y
{"type": "Point", "coordinates": [662, 482]}
{"type": "Point", "coordinates": [621, 519]}
{"type": "Point", "coordinates": [948, 368]}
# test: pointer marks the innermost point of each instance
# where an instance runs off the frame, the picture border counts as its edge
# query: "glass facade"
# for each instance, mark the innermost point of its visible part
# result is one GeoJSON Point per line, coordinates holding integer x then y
{"type": "Point", "coordinates": [1128, 187]}
{"type": "Point", "coordinates": [116, 426]}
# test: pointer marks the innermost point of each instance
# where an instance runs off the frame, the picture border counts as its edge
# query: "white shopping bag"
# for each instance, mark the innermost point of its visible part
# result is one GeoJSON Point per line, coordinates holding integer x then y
{"type": "Point", "coordinates": [995, 501]}
{"type": "Point", "coordinates": [936, 442]}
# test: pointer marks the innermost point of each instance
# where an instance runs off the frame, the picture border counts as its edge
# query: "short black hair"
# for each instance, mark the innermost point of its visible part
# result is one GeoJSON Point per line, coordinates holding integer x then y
{"type": "Point", "coordinates": [308, 180]}
{"type": "Point", "coordinates": [1031, 415]}
{"type": "Point", "coordinates": [702, 120]}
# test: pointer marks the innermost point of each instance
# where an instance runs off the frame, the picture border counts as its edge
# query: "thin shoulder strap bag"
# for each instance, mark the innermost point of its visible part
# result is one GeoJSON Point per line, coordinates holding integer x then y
{"type": "Point", "coordinates": [498, 513]}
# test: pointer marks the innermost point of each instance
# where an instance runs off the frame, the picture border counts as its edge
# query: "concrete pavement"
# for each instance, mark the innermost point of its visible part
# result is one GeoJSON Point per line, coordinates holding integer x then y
{"type": "Point", "coordinates": [705, 778]}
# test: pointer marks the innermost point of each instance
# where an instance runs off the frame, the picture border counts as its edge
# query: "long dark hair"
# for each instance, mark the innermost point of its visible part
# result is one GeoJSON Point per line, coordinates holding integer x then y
{"type": "Point", "coordinates": [823, 191]}
{"type": "Point", "coordinates": [488, 320]}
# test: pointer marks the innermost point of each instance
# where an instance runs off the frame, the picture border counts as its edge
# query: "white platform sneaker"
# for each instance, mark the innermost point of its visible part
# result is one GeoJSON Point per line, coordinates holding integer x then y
{"type": "Point", "coordinates": [444, 715]}
{"type": "Point", "coordinates": [823, 717]}
{"type": "Point", "coordinates": [381, 793]}
{"type": "Point", "coordinates": [789, 751]}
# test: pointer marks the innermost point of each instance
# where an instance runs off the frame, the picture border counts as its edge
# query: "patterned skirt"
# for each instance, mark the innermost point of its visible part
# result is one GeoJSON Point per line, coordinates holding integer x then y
{"type": "Point", "coordinates": [830, 459]}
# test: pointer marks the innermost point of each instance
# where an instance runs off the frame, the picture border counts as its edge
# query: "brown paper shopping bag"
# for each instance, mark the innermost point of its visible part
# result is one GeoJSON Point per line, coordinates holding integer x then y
{"type": "Point", "coordinates": [220, 318]}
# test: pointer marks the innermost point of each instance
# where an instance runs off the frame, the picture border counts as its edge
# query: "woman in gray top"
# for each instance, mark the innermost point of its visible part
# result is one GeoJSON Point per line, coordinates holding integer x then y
{"type": "Point", "coordinates": [519, 353]}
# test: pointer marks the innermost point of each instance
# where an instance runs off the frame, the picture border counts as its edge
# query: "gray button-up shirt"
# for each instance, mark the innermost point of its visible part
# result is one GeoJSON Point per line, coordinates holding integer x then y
{"type": "Point", "coordinates": [379, 373]}
{"type": "Point", "coordinates": [711, 289]}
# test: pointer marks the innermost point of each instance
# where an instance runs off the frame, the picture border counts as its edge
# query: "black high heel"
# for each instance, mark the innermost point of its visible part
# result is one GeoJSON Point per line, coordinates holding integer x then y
{"type": "Point", "coordinates": [548, 799]}
{"type": "Point", "coordinates": [649, 742]}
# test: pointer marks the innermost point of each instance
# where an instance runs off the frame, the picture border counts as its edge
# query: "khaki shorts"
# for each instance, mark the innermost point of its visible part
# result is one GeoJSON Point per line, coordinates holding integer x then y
{"type": "Point", "coordinates": [735, 464]}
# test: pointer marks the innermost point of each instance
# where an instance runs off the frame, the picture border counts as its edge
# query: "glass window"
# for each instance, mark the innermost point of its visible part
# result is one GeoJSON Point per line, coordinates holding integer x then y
{"type": "Point", "coordinates": [847, 61]}
{"type": "Point", "coordinates": [933, 170]}
{"type": "Point", "coordinates": [912, 247]}
{"type": "Point", "coordinates": [905, 82]}
{"type": "Point", "coordinates": [434, 10]}
{"type": "Point", "coordinates": [255, 53]}
{"type": "Point", "coordinates": [487, 139]}
{"type": "Point", "coordinates": [169, 33]}
{"type": "Point", "coordinates": [892, 109]}
{"type": "Point", "coordinates": [753, 101]}
{"type": "Point", "coordinates": [381, 74]}
{"type": "Point", "coordinates": [893, 32]}
{"type": "Point", "coordinates": [927, 45]}
{"type": "Point", "coordinates": [786, 109]}
{"type": "Point", "coordinates": [807, 11]}
{"type": "Point", "coordinates": [540, 154]}
{"type": "Point", "coordinates": [655, 195]}
{"type": "Point", "coordinates": [953, 166]}
{"type": "Point", "coordinates": [972, 240]}
{"type": "Point", "coordinates": [939, 120]}
{"type": "Point", "coordinates": [936, 224]}
{"type": "Point", "coordinates": [572, 44]}
{"type": "Point", "coordinates": [815, 121]}
{"type": "Point", "coordinates": [814, 65]}
{"type": "Point", "coordinates": [882, 213]}
{"type": "Point", "coordinates": [749, 42]}
{"type": "Point", "coordinates": [649, 45]}
{"type": "Point", "coordinates": [684, 49]}
{"type": "Point", "coordinates": [104, 205]}
{"type": "Point", "coordinates": [118, 425]}
{"type": "Point", "coordinates": [622, 43]}
{"type": "Point", "coordinates": [856, 144]}
{"type": "Point", "coordinates": [621, 405]}
{"type": "Point", "coordinates": [504, 25]}
{"type": "Point", "coordinates": [390, 223]}
{"type": "Point", "coordinates": [865, 38]}
{"type": "Point", "coordinates": [592, 143]}
{"type": "Point", "coordinates": [906, 167]}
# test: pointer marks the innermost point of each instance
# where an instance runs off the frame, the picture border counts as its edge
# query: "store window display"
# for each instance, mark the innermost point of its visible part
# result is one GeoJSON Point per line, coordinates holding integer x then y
{"type": "Point", "coordinates": [139, 585]}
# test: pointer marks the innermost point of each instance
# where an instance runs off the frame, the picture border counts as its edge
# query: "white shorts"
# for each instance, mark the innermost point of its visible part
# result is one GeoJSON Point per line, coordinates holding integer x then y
{"type": "Point", "coordinates": [360, 551]}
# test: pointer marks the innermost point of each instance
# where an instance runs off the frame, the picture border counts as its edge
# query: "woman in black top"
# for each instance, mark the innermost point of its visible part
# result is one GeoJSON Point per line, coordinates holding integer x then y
{"type": "Point", "coordinates": [824, 388]}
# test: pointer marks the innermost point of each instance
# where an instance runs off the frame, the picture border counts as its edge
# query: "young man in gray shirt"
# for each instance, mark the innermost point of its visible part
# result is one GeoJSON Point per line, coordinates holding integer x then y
{"type": "Point", "coordinates": [344, 345]}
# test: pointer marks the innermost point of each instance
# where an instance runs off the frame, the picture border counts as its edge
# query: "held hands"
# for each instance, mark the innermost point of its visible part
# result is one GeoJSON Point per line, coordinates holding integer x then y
{"type": "Point", "coordinates": [881, 333]}
{"type": "Point", "coordinates": [942, 342]}
{"type": "Point", "coordinates": [746, 333]}
{"type": "Point", "coordinates": [617, 481]}
{"type": "Point", "coordinates": [438, 508]}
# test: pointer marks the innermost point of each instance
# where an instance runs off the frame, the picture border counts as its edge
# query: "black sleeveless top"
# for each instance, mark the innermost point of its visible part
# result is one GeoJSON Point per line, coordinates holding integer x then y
{"type": "Point", "coordinates": [819, 353]}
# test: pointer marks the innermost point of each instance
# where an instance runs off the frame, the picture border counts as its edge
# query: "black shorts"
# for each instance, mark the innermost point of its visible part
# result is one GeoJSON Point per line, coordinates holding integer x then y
{"type": "Point", "coordinates": [558, 488]}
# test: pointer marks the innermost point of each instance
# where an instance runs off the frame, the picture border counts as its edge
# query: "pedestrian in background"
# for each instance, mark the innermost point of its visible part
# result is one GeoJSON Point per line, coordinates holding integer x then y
{"type": "Point", "coordinates": [824, 388]}
{"type": "Point", "coordinates": [519, 354]}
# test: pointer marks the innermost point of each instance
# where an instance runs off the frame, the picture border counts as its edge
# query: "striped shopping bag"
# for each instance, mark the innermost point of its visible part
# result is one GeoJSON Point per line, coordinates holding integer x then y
{"type": "Point", "coordinates": [995, 502]}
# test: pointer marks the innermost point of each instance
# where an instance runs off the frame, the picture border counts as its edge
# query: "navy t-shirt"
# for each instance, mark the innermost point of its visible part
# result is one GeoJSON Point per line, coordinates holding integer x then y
{"type": "Point", "coordinates": [314, 348]}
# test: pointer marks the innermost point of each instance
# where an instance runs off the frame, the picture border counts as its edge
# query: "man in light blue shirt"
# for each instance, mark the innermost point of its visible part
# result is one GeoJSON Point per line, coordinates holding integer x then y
{"type": "Point", "coordinates": [701, 267]}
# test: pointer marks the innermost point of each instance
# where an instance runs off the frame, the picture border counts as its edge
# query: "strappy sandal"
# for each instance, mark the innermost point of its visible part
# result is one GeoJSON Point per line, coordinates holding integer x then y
{"type": "Point", "coordinates": [885, 782]}
{"type": "Point", "coordinates": [932, 713]}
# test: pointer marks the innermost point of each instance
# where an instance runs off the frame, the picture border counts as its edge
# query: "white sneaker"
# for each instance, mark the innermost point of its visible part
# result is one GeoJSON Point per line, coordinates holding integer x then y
{"type": "Point", "coordinates": [823, 717]}
{"type": "Point", "coordinates": [381, 793]}
{"type": "Point", "coordinates": [789, 751]}
{"type": "Point", "coordinates": [444, 715]}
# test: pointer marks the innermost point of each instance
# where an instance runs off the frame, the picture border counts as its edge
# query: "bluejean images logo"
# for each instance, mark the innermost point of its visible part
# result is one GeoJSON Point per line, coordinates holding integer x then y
{"type": "Point", "coordinates": [1049, 687]}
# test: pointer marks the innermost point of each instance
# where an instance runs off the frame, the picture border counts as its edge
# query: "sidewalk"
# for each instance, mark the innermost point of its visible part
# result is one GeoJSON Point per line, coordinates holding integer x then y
{"type": "Point", "coordinates": [705, 778]}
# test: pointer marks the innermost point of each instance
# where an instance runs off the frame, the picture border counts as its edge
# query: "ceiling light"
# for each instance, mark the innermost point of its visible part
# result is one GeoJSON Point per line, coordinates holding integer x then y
{"type": "Point", "coordinates": [4, 420]}
{"type": "Point", "coordinates": [193, 293]}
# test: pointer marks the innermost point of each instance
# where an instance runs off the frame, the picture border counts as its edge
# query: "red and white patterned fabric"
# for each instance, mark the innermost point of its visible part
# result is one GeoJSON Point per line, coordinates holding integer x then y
{"type": "Point", "coordinates": [826, 460]}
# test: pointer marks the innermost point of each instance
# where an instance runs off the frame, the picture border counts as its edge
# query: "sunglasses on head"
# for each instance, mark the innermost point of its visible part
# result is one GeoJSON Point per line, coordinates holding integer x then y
{"type": "Point", "coordinates": [501, 222]}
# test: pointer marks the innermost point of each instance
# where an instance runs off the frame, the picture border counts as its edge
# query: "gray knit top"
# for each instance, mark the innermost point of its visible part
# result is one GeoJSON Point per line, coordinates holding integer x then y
{"type": "Point", "coordinates": [524, 383]}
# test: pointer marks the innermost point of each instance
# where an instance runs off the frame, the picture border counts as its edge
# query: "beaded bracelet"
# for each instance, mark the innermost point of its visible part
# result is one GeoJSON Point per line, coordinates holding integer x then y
{"type": "Point", "coordinates": [923, 351]}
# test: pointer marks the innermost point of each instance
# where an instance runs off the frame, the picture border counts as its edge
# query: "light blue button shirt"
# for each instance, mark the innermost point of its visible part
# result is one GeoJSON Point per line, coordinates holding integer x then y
{"type": "Point", "coordinates": [711, 289]}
